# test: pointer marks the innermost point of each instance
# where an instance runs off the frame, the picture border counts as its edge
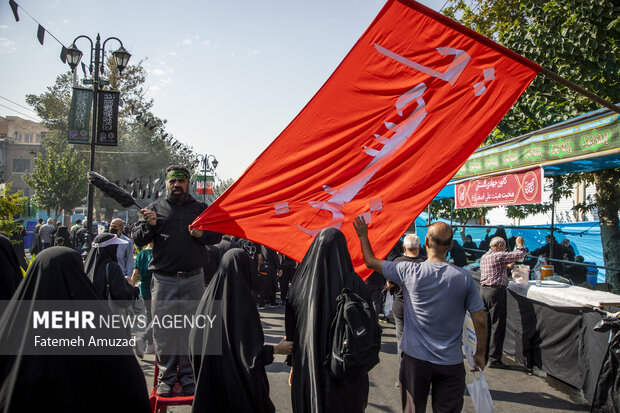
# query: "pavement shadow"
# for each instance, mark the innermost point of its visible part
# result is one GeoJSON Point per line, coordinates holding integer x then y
{"type": "Point", "coordinates": [379, 408]}
{"type": "Point", "coordinates": [389, 348]}
{"type": "Point", "coordinates": [535, 399]}
{"type": "Point", "coordinates": [277, 368]}
{"type": "Point", "coordinates": [267, 324]}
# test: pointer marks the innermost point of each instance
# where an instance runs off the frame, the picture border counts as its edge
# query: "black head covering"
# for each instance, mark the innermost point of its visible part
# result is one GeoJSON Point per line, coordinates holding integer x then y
{"type": "Point", "coordinates": [68, 383]}
{"type": "Point", "coordinates": [11, 272]}
{"type": "Point", "coordinates": [99, 256]}
{"type": "Point", "coordinates": [311, 305]}
{"type": "Point", "coordinates": [64, 233]}
{"type": "Point", "coordinates": [234, 381]}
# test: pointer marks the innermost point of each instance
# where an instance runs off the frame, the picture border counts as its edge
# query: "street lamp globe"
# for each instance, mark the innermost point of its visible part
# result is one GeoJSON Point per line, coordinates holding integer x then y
{"type": "Point", "coordinates": [214, 162]}
{"type": "Point", "coordinates": [121, 56]}
{"type": "Point", "coordinates": [74, 55]}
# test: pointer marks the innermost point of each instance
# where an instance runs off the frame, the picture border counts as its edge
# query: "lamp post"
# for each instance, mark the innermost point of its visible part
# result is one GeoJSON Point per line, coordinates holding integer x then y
{"type": "Point", "coordinates": [209, 163]}
{"type": "Point", "coordinates": [97, 58]}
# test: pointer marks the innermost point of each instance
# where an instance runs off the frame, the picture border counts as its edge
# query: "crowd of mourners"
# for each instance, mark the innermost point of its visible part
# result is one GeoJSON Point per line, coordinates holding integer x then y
{"type": "Point", "coordinates": [195, 270]}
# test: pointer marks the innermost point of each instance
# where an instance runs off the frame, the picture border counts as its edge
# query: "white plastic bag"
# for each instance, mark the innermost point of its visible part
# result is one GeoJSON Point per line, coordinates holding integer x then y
{"type": "Point", "coordinates": [480, 395]}
{"type": "Point", "coordinates": [387, 307]}
{"type": "Point", "coordinates": [469, 339]}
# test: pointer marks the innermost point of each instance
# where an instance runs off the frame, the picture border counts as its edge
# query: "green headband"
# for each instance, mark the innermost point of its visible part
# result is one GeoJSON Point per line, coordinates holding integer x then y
{"type": "Point", "coordinates": [177, 174]}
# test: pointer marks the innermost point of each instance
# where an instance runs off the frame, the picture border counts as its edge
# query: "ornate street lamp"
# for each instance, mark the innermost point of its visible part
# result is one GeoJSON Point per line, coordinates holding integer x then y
{"type": "Point", "coordinates": [97, 58]}
{"type": "Point", "coordinates": [209, 163]}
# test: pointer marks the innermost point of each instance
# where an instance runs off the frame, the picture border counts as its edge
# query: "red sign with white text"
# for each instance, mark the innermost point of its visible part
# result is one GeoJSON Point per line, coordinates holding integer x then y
{"type": "Point", "coordinates": [413, 99]}
{"type": "Point", "coordinates": [518, 188]}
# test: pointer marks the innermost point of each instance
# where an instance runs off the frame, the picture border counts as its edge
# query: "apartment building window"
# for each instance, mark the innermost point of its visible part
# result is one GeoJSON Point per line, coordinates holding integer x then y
{"type": "Point", "coordinates": [21, 165]}
{"type": "Point", "coordinates": [38, 138]}
{"type": "Point", "coordinates": [18, 136]}
{"type": "Point", "coordinates": [25, 191]}
{"type": "Point", "coordinates": [28, 138]}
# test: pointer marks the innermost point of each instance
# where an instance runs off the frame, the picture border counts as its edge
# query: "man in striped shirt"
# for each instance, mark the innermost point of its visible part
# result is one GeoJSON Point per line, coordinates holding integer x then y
{"type": "Point", "coordinates": [46, 232]}
{"type": "Point", "coordinates": [494, 266]}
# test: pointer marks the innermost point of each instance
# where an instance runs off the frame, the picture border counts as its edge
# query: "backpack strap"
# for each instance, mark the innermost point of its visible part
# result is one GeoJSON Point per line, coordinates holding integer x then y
{"type": "Point", "coordinates": [107, 280]}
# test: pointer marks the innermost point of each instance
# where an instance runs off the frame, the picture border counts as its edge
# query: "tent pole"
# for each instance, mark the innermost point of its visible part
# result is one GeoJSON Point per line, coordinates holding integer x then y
{"type": "Point", "coordinates": [451, 211]}
{"type": "Point", "coordinates": [553, 188]}
{"type": "Point", "coordinates": [428, 213]}
{"type": "Point", "coordinates": [579, 89]}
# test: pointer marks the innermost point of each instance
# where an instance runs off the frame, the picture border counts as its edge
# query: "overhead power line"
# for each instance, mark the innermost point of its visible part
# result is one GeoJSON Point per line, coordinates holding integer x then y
{"type": "Point", "coordinates": [16, 111]}
{"type": "Point", "coordinates": [15, 103]}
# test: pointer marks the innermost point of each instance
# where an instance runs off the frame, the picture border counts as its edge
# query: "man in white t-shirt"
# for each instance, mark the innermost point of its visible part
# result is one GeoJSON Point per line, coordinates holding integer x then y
{"type": "Point", "coordinates": [124, 253]}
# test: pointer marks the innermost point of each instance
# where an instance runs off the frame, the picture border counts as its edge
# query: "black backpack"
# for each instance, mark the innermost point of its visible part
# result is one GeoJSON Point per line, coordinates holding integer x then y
{"type": "Point", "coordinates": [355, 337]}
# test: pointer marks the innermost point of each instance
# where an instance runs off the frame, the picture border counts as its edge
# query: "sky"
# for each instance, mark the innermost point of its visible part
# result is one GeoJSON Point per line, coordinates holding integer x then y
{"type": "Point", "coordinates": [228, 76]}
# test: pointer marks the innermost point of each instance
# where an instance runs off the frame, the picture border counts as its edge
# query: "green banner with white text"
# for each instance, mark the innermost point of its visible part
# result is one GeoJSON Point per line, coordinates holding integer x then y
{"type": "Point", "coordinates": [597, 138]}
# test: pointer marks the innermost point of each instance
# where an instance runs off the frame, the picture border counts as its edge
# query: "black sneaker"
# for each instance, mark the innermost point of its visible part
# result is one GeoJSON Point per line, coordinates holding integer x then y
{"type": "Point", "coordinates": [497, 365]}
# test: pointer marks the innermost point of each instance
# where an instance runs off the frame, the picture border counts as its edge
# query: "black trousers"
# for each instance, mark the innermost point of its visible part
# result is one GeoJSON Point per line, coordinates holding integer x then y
{"type": "Point", "coordinates": [417, 377]}
{"type": "Point", "coordinates": [268, 287]}
{"type": "Point", "coordinates": [494, 300]}
{"type": "Point", "coordinates": [376, 297]}
{"type": "Point", "coordinates": [284, 280]}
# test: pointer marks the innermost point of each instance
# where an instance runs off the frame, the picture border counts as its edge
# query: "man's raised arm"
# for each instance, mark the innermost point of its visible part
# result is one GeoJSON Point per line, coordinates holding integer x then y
{"type": "Point", "coordinates": [372, 262]}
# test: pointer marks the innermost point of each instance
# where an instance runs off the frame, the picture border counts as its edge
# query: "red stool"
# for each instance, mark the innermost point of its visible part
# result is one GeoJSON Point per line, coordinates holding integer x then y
{"type": "Point", "coordinates": [160, 403]}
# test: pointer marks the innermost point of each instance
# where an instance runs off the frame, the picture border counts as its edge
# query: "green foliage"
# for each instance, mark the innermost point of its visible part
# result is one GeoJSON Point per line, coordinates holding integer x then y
{"type": "Point", "coordinates": [444, 208]}
{"type": "Point", "coordinates": [577, 39]}
{"type": "Point", "coordinates": [140, 152]}
{"type": "Point", "coordinates": [52, 105]}
{"type": "Point", "coordinates": [58, 179]}
{"type": "Point", "coordinates": [486, 17]}
{"type": "Point", "coordinates": [580, 41]}
{"type": "Point", "coordinates": [563, 189]}
{"type": "Point", "coordinates": [11, 205]}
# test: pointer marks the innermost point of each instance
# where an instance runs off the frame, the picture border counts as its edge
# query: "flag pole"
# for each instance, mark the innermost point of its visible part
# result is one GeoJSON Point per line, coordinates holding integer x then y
{"type": "Point", "coordinates": [579, 89]}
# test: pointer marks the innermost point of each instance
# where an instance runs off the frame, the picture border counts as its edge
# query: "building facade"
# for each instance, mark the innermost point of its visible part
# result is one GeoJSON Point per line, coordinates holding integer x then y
{"type": "Point", "coordinates": [20, 142]}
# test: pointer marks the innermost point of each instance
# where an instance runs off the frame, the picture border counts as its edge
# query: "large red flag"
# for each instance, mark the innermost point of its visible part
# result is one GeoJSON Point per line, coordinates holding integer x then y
{"type": "Point", "coordinates": [413, 99]}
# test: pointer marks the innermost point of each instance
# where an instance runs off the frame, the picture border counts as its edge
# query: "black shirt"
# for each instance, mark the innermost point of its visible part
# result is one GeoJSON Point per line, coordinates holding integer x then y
{"type": "Point", "coordinates": [458, 255]}
{"type": "Point", "coordinates": [578, 274]}
{"type": "Point", "coordinates": [174, 248]}
{"type": "Point", "coordinates": [471, 255]}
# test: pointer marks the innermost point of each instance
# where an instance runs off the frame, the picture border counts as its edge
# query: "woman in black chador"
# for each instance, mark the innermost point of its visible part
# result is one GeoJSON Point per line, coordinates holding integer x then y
{"type": "Point", "coordinates": [311, 305]}
{"type": "Point", "coordinates": [36, 381]}
{"type": "Point", "coordinates": [234, 381]}
{"type": "Point", "coordinates": [101, 264]}
{"type": "Point", "coordinates": [11, 271]}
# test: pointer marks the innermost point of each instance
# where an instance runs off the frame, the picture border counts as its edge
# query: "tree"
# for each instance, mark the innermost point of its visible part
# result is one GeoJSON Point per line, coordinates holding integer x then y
{"type": "Point", "coordinates": [559, 187]}
{"type": "Point", "coordinates": [141, 151]}
{"type": "Point", "coordinates": [52, 105]}
{"type": "Point", "coordinates": [444, 208]}
{"type": "Point", "coordinates": [11, 204]}
{"type": "Point", "coordinates": [580, 41]}
{"type": "Point", "coordinates": [58, 180]}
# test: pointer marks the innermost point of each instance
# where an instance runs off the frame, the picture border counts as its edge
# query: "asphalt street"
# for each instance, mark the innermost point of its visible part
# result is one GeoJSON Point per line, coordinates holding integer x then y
{"type": "Point", "coordinates": [512, 390]}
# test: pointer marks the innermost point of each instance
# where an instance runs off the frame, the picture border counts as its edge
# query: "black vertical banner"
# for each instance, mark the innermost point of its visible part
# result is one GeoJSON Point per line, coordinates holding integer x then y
{"type": "Point", "coordinates": [107, 118]}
